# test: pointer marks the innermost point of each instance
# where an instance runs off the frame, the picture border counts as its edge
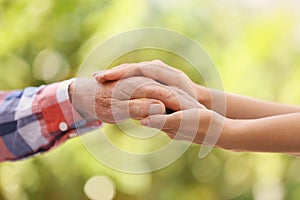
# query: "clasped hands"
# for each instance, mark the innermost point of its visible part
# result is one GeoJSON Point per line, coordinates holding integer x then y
{"type": "Point", "coordinates": [145, 91]}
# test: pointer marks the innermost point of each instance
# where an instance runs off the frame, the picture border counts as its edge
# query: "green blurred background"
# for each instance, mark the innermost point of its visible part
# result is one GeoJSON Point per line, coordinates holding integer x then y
{"type": "Point", "coordinates": [255, 45]}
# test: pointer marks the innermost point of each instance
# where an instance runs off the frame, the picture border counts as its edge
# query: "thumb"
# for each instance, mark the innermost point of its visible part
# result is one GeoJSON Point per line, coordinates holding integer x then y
{"type": "Point", "coordinates": [156, 121]}
{"type": "Point", "coordinates": [141, 108]}
{"type": "Point", "coordinates": [136, 109]}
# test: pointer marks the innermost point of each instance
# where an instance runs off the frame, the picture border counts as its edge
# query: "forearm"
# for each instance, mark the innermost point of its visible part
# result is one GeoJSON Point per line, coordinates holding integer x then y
{"type": "Point", "coordinates": [271, 134]}
{"type": "Point", "coordinates": [242, 107]}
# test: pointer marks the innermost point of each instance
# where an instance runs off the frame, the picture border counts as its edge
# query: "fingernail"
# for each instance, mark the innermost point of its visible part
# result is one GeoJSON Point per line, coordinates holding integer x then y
{"type": "Point", "coordinates": [98, 73]}
{"type": "Point", "coordinates": [145, 122]}
{"type": "Point", "coordinates": [155, 109]}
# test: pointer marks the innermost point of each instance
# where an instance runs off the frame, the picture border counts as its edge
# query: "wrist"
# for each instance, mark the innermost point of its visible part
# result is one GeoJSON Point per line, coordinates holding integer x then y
{"type": "Point", "coordinates": [203, 95]}
{"type": "Point", "coordinates": [71, 90]}
{"type": "Point", "coordinates": [225, 140]}
{"type": "Point", "coordinates": [232, 136]}
{"type": "Point", "coordinates": [82, 97]}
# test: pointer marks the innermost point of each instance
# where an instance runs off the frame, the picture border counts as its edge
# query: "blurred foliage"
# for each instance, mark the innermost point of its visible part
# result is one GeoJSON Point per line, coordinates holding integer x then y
{"type": "Point", "coordinates": [255, 45]}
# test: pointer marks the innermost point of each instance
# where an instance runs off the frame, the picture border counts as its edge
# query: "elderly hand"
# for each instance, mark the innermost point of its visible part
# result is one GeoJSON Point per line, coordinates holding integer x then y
{"type": "Point", "coordinates": [156, 70]}
{"type": "Point", "coordinates": [135, 97]}
{"type": "Point", "coordinates": [190, 124]}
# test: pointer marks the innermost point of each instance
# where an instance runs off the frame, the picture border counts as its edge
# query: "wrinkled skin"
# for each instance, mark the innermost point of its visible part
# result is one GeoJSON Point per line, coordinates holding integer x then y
{"type": "Point", "coordinates": [134, 97]}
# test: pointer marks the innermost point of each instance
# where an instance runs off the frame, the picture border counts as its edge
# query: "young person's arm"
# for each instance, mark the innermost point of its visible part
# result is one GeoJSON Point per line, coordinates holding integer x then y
{"type": "Point", "coordinates": [279, 133]}
{"type": "Point", "coordinates": [237, 106]}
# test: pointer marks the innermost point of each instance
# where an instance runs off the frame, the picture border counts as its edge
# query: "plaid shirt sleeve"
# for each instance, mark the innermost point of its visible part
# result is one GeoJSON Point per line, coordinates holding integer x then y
{"type": "Point", "coordinates": [34, 120]}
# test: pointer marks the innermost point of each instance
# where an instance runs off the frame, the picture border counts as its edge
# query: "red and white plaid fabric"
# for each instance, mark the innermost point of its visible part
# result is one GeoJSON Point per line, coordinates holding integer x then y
{"type": "Point", "coordinates": [34, 120]}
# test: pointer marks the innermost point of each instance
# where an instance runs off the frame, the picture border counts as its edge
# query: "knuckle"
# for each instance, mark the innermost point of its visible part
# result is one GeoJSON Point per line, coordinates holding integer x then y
{"type": "Point", "coordinates": [163, 92]}
{"type": "Point", "coordinates": [157, 61]}
{"type": "Point", "coordinates": [123, 65]}
{"type": "Point", "coordinates": [139, 80]}
{"type": "Point", "coordinates": [139, 109]}
{"type": "Point", "coordinates": [146, 67]}
{"type": "Point", "coordinates": [169, 94]}
{"type": "Point", "coordinates": [134, 111]}
{"type": "Point", "coordinates": [179, 75]}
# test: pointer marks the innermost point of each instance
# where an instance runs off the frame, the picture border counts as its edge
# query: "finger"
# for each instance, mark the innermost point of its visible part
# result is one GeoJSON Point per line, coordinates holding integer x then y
{"type": "Point", "coordinates": [136, 109]}
{"type": "Point", "coordinates": [161, 122]}
{"type": "Point", "coordinates": [182, 125]}
{"type": "Point", "coordinates": [161, 72]}
{"type": "Point", "coordinates": [174, 98]}
{"type": "Point", "coordinates": [122, 71]}
{"type": "Point", "coordinates": [142, 87]}
{"type": "Point", "coordinates": [141, 108]}
{"type": "Point", "coordinates": [167, 75]}
{"type": "Point", "coordinates": [98, 74]}
{"type": "Point", "coordinates": [162, 93]}
{"type": "Point", "coordinates": [156, 70]}
{"type": "Point", "coordinates": [187, 101]}
{"type": "Point", "coordinates": [151, 69]}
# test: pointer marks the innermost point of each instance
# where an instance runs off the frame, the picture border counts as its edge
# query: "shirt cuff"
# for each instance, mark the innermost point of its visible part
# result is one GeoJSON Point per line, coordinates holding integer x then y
{"type": "Point", "coordinates": [60, 116]}
{"type": "Point", "coordinates": [75, 121]}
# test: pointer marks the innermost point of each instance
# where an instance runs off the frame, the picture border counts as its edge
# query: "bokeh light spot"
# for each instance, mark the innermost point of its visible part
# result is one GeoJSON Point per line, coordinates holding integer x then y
{"type": "Point", "coordinates": [50, 66]}
{"type": "Point", "coordinates": [100, 188]}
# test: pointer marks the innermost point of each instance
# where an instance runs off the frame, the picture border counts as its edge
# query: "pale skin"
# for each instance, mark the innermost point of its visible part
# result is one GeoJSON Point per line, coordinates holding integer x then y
{"type": "Point", "coordinates": [248, 124]}
{"type": "Point", "coordinates": [134, 97]}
